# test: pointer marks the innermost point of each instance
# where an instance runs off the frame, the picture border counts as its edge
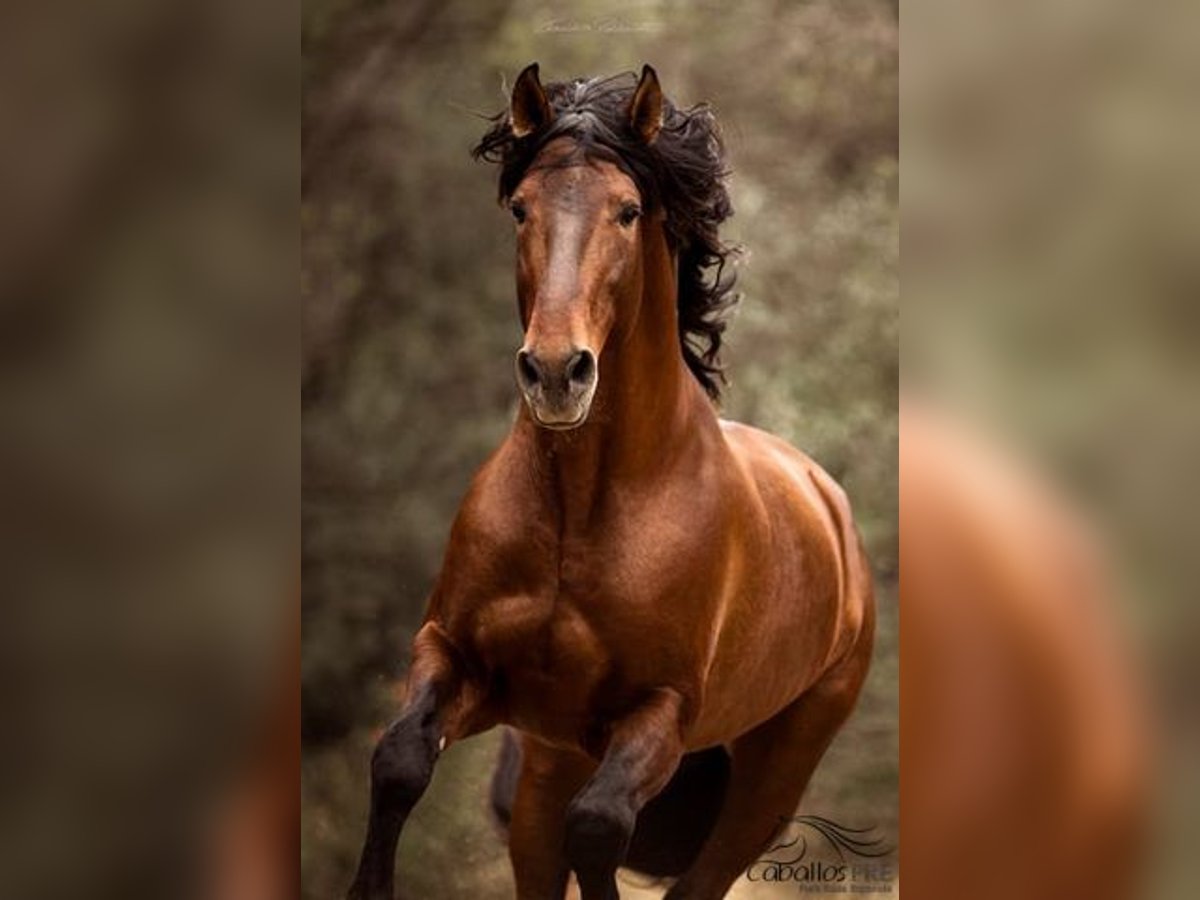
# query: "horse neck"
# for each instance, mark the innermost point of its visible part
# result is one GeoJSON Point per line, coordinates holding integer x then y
{"type": "Point", "coordinates": [647, 407]}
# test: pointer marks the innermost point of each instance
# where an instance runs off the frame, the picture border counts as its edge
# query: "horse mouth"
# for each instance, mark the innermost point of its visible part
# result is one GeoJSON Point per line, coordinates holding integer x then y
{"type": "Point", "coordinates": [560, 424]}
{"type": "Point", "coordinates": [559, 411]}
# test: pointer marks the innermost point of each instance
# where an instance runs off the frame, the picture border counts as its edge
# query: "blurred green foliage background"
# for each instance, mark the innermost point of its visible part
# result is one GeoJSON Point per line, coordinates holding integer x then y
{"type": "Point", "coordinates": [409, 327]}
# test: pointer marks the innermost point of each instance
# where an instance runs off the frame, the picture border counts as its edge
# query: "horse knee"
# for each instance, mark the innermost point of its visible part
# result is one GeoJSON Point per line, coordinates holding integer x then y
{"type": "Point", "coordinates": [598, 831]}
{"type": "Point", "coordinates": [402, 764]}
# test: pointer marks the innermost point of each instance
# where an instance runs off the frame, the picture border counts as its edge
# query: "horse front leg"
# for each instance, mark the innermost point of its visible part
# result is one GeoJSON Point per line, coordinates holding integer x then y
{"type": "Point", "coordinates": [643, 753]}
{"type": "Point", "coordinates": [439, 706]}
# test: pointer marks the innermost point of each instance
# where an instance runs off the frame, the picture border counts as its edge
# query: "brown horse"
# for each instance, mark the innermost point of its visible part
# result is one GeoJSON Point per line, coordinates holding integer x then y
{"type": "Point", "coordinates": [630, 580]}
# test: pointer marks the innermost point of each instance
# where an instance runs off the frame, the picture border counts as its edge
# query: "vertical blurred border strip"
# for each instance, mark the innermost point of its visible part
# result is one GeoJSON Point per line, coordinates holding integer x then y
{"type": "Point", "coordinates": [149, 463]}
{"type": "Point", "coordinates": [1049, 435]}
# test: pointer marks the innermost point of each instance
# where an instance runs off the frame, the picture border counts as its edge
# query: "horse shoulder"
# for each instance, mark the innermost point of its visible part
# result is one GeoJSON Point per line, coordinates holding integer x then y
{"type": "Point", "coordinates": [492, 553]}
{"type": "Point", "coordinates": [783, 475]}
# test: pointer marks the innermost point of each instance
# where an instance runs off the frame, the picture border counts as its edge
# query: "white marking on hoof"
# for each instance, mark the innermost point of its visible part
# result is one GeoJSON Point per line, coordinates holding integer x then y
{"type": "Point", "coordinates": [442, 744]}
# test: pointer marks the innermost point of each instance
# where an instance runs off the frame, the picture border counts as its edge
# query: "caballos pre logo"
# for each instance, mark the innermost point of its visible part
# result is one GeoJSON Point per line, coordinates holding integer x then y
{"type": "Point", "coordinates": [820, 856]}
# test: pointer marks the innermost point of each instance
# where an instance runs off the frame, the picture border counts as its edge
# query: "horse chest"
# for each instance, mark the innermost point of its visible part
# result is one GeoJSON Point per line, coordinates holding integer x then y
{"type": "Point", "coordinates": [575, 625]}
{"type": "Point", "coordinates": [545, 659]}
{"type": "Point", "coordinates": [538, 637]}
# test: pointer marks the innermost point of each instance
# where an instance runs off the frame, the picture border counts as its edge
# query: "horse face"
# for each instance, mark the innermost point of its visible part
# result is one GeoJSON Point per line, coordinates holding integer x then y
{"type": "Point", "coordinates": [579, 267]}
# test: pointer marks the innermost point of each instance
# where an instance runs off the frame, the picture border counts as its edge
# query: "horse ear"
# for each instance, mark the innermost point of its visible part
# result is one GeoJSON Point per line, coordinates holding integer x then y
{"type": "Point", "coordinates": [530, 109]}
{"type": "Point", "coordinates": [646, 108]}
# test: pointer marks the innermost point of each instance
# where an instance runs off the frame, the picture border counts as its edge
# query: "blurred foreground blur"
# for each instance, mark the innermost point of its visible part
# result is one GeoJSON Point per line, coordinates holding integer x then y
{"type": "Point", "coordinates": [148, 455]}
{"type": "Point", "coordinates": [1051, 285]}
{"type": "Point", "coordinates": [1025, 765]}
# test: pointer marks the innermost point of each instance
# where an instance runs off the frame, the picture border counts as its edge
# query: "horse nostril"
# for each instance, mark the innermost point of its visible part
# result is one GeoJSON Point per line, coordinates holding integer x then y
{"type": "Point", "coordinates": [581, 368]}
{"type": "Point", "coordinates": [528, 372]}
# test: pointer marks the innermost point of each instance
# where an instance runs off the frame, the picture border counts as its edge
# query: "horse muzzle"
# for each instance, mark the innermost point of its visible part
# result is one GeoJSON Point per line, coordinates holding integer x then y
{"type": "Point", "coordinates": [558, 388]}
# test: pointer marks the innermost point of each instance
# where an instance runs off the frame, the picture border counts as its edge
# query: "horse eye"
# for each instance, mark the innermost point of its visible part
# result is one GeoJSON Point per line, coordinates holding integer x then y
{"type": "Point", "coordinates": [629, 215]}
{"type": "Point", "coordinates": [518, 211]}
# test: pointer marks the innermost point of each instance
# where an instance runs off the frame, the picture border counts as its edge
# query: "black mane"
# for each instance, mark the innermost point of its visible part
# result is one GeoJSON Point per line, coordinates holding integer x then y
{"type": "Point", "coordinates": [683, 171]}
